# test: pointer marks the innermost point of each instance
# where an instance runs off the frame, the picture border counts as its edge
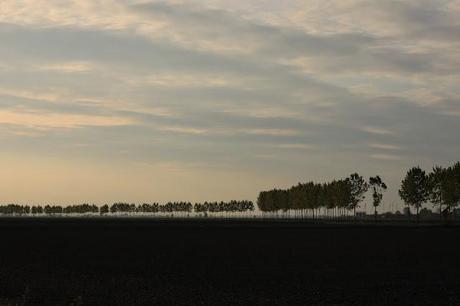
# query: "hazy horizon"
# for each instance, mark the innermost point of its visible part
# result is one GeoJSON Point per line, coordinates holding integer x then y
{"type": "Point", "coordinates": [104, 101]}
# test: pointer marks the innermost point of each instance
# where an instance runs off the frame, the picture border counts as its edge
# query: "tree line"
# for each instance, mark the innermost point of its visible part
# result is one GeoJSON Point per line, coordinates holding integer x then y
{"type": "Point", "coordinates": [130, 208]}
{"type": "Point", "coordinates": [337, 197]}
{"type": "Point", "coordinates": [440, 186]}
{"type": "Point", "coordinates": [223, 207]}
{"type": "Point", "coordinates": [340, 197]}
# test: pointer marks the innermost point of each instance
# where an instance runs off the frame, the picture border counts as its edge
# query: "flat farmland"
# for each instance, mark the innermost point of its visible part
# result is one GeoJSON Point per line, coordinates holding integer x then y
{"type": "Point", "coordinates": [115, 261]}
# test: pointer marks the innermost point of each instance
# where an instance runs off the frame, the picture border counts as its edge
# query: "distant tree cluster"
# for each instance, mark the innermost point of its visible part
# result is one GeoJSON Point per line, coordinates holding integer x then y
{"type": "Point", "coordinates": [224, 207]}
{"type": "Point", "coordinates": [130, 208]}
{"type": "Point", "coordinates": [339, 196]}
{"type": "Point", "coordinates": [81, 209]}
{"type": "Point", "coordinates": [52, 210]}
{"type": "Point", "coordinates": [176, 207]}
{"type": "Point", "coordinates": [14, 209]}
{"type": "Point", "coordinates": [122, 208]}
{"type": "Point", "coordinates": [148, 208]}
{"type": "Point", "coordinates": [441, 187]}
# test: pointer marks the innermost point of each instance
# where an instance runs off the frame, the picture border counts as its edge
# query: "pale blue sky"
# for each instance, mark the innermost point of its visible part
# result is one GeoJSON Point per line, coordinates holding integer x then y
{"type": "Point", "coordinates": [214, 100]}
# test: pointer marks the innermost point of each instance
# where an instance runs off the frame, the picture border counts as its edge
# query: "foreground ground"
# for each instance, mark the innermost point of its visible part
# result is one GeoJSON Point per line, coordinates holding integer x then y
{"type": "Point", "coordinates": [152, 262]}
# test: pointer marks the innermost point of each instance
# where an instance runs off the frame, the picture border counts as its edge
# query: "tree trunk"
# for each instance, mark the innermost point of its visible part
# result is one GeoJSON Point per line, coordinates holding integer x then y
{"type": "Point", "coordinates": [440, 211]}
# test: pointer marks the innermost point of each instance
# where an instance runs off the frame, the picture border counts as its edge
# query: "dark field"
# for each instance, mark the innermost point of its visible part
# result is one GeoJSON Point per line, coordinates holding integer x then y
{"type": "Point", "coordinates": [152, 262]}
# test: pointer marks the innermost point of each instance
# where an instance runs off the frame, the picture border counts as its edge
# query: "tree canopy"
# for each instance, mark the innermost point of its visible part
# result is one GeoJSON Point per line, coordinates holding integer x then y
{"type": "Point", "coordinates": [415, 188]}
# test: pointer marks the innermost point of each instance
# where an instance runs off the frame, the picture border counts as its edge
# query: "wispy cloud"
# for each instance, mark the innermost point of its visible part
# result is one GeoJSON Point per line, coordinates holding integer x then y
{"type": "Point", "coordinates": [50, 96]}
{"type": "Point", "coordinates": [273, 132]}
{"type": "Point", "coordinates": [376, 130]}
{"type": "Point", "coordinates": [183, 129]}
{"type": "Point", "coordinates": [384, 146]}
{"type": "Point", "coordinates": [44, 121]}
{"type": "Point", "coordinates": [69, 67]}
{"type": "Point", "coordinates": [386, 157]}
{"type": "Point", "coordinates": [298, 146]}
{"type": "Point", "coordinates": [225, 81]}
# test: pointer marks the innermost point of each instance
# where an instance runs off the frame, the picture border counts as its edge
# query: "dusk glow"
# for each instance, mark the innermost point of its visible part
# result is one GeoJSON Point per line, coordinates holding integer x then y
{"type": "Point", "coordinates": [106, 101]}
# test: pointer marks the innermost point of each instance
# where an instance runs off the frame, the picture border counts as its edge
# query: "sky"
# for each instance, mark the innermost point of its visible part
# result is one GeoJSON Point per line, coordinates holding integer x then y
{"type": "Point", "coordinates": [196, 100]}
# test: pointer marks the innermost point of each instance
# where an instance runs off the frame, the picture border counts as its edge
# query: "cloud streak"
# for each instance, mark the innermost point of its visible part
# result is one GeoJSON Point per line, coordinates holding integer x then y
{"type": "Point", "coordinates": [45, 121]}
{"type": "Point", "coordinates": [304, 84]}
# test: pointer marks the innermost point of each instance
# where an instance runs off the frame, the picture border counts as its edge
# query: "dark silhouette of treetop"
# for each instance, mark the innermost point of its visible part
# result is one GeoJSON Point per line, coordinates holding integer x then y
{"type": "Point", "coordinates": [358, 189]}
{"type": "Point", "coordinates": [414, 189]}
{"type": "Point", "coordinates": [378, 187]}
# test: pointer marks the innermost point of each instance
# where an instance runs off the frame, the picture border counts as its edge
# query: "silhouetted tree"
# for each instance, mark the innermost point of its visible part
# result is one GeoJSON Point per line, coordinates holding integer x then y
{"type": "Point", "coordinates": [148, 208]}
{"type": "Point", "coordinates": [414, 189]}
{"type": "Point", "coordinates": [80, 209]}
{"type": "Point", "coordinates": [438, 187]}
{"type": "Point", "coordinates": [123, 208]}
{"type": "Point", "coordinates": [377, 186]}
{"type": "Point", "coordinates": [218, 207]}
{"type": "Point", "coordinates": [104, 209]}
{"type": "Point", "coordinates": [358, 189]}
{"type": "Point", "coordinates": [52, 210]}
{"type": "Point", "coordinates": [37, 210]}
{"type": "Point", "coordinates": [451, 187]}
{"type": "Point", "coordinates": [297, 197]}
{"type": "Point", "coordinates": [15, 209]}
{"type": "Point", "coordinates": [456, 183]}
